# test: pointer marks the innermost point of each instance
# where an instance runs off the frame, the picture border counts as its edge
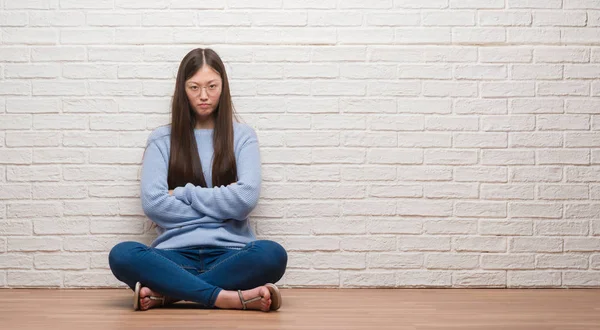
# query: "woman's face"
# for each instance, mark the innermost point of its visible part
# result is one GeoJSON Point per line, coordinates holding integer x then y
{"type": "Point", "coordinates": [203, 90]}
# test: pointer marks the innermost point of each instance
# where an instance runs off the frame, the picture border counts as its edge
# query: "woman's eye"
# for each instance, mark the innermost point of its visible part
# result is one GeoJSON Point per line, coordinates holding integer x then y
{"type": "Point", "coordinates": [213, 86]}
{"type": "Point", "coordinates": [194, 87]}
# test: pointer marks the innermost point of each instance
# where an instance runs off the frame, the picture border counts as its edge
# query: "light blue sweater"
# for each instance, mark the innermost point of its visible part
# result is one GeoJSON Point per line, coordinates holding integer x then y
{"type": "Point", "coordinates": [197, 216]}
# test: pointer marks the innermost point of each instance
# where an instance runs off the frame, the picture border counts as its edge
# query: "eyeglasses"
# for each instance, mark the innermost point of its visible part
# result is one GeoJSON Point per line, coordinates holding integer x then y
{"type": "Point", "coordinates": [212, 89]}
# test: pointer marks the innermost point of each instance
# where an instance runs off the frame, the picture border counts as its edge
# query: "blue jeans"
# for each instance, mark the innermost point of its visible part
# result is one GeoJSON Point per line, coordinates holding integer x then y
{"type": "Point", "coordinates": [198, 274]}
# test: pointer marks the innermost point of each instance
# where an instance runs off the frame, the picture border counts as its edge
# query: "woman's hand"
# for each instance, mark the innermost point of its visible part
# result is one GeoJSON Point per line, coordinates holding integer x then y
{"type": "Point", "coordinates": [171, 192]}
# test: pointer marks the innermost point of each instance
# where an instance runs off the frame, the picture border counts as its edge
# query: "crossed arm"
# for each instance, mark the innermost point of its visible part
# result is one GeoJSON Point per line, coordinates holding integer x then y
{"type": "Point", "coordinates": [194, 204]}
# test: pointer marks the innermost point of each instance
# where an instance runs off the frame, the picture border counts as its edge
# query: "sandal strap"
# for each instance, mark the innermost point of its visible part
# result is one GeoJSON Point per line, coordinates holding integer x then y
{"type": "Point", "coordinates": [244, 302]}
{"type": "Point", "coordinates": [162, 299]}
{"type": "Point", "coordinates": [242, 299]}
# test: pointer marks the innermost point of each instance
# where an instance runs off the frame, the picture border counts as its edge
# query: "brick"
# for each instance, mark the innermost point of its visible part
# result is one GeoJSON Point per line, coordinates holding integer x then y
{"type": "Point", "coordinates": [452, 123]}
{"type": "Point", "coordinates": [369, 208]}
{"type": "Point", "coordinates": [329, 209]}
{"type": "Point", "coordinates": [424, 208]}
{"type": "Point", "coordinates": [366, 139]}
{"type": "Point", "coordinates": [566, 261]}
{"type": "Point", "coordinates": [563, 192]}
{"type": "Point", "coordinates": [311, 243]}
{"type": "Point", "coordinates": [340, 227]}
{"type": "Point", "coordinates": [559, 18]}
{"type": "Point", "coordinates": [17, 228]}
{"type": "Point", "coordinates": [563, 54]}
{"type": "Point", "coordinates": [368, 279]}
{"type": "Point", "coordinates": [368, 243]}
{"type": "Point", "coordinates": [15, 156]}
{"type": "Point", "coordinates": [342, 156]}
{"type": "Point", "coordinates": [581, 4]}
{"type": "Point", "coordinates": [583, 106]}
{"type": "Point", "coordinates": [60, 122]}
{"type": "Point", "coordinates": [423, 243]}
{"type": "Point", "coordinates": [393, 226]}
{"type": "Point", "coordinates": [575, 279]}
{"type": "Point", "coordinates": [507, 261]}
{"type": "Point", "coordinates": [396, 191]}
{"type": "Point", "coordinates": [33, 173]}
{"type": "Point", "coordinates": [480, 140]}
{"type": "Point", "coordinates": [59, 156]}
{"type": "Point", "coordinates": [396, 123]}
{"type": "Point", "coordinates": [33, 139]}
{"type": "Point", "coordinates": [90, 139]}
{"type": "Point", "coordinates": [507, 54]}
{"type": "Point", "coordinates": [478, 35]}
{"type": "Point", "coordinates": [37, 105]}
{"type": "Point", "coordinates": [536, 72]}
{"type": "Point", "coordinates": [449, 89]}
{"type": "Point", "coordinates": [116, 156]}
{"type": "Point", "coordinates": [33, 210]}
{"type": "Point", "coordinates": [550, 157]}
{"type": "Point", "coordinates": [503, 89]}
{"type": "Point", "coordinates": [313, 173]}
{"type": "Point", "coordinates": [508, 157]}
{"type": "Point", "coordinates": [500, 227]}
{"type": "Point", "coordinates": [424, 173]}
{"type": "Point", "coordinates": [425, 106]}
{"type": "Point", "coordinates": [34, 279]}
{"type": "Point", "coordinates": [451, 261]}
{"type": "Point", "coordinates": [535, 244]}
{"type": "Point", "coordinates": [562, 228]}
{"type": "Point", "coordinates": [448, 18]}
{"type": "Point", "coordinates": [390, 88]}
{"type": "Point", "coordinates": [374, 19]}
{"type": "Point", "coordinates": [587, 244]}
{"type": "Point", "coordinates": [509, 191]}
{"type": "Point", "coordinates": [309, 278]}
{"type": "Point", "coordinates": [450, 157]}
{"type": "Point", "coordinates": [61, 261]}
{"type": "Point", "coordinates": [533, 279]}
{"type": "Point", "coordinates": [131, 227]}
{"type": "Point", "coordinates": [479, 244]}
{"type": "Point", "coordinates": [563, 122]}
{"type": "Point", "coordinates": [504, 18]}
{"type": "Point", "coordinates": [539, 140]}
{"type": "Point", "coordinates": [15, 191]}
{"type": "Point", "coordinates": [423, 35]}
{"type": "Point", "coordinates": [451, 190]}
{"type": "Point", "coordinates": [481, 174]}
{"type": "Point", "coordinates": [387, 156]}
{"type": "Point", "coordinates": [582, 174]}
{"type": "Point", "coordinates": [480, 209]}
{"type": "Point", "coordinates": [479, 279]}
{"type": "Point", "coordinates": [447, 227]}
{"type": "Point", "coordinates": [418, 278]}
{"type": "Point", "coordinates": [339, 261]}
{"type": "Point", "coordinates": [535, 106]}
{"type": "Point", "coordinates": [65, 226]}
{"type": "Point", "coordinates": [100, 280]}
{"type": "Point", "coordinates": [33, 244]}
{"type": "Point", "coordinates": [550, 4]}
{"type": "Point", "coordinates": [16, 261]}
{"type": "Point", "coordinates": [15, 88]}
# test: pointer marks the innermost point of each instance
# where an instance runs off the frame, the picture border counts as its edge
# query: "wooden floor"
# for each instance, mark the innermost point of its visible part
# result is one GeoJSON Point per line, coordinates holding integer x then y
{"type": "Point", "coordinates": [342, 309]}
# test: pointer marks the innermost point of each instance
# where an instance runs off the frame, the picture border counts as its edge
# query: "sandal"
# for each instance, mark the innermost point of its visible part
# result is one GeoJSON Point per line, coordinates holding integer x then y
{"type": "Point", "coordinates": [136, 297]}
{"type": "Point", "coordinates": [275, 297]}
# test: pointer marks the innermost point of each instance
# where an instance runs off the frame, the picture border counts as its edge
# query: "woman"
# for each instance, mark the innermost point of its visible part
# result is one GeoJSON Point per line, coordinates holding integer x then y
{"type": "Point", "coordinates": [200, 179]}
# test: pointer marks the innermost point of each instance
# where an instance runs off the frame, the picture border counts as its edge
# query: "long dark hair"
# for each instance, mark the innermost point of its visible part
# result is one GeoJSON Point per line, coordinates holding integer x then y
{"type": "Point", "coordinates": [184, 161]}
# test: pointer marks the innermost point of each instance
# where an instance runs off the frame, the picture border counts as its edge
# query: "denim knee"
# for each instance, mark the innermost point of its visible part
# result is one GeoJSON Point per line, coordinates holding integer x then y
{"type": "Point", "coordinates": [123, 254]}
{"type": "Point", "coordinates": [275, 257]}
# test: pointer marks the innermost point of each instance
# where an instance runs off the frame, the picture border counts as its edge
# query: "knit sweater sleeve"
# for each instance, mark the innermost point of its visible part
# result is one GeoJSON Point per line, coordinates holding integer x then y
{"type": "Point", "coordinates": [165, 210]}
{"type": "Point", "coordinates": [234, 201]}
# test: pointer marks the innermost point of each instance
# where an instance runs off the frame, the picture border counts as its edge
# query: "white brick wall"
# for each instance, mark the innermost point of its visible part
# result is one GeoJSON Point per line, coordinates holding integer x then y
{"type": "Point", "coordinates": [405, 143]}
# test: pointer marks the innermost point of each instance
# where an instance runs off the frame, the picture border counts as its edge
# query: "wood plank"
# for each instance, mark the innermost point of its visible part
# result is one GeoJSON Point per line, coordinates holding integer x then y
{"type": "Point", "coordinates": [314, 309]}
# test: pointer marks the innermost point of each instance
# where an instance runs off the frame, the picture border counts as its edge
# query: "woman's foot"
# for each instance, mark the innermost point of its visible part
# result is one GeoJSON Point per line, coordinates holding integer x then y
{"type": "Point", "coordinates": [231, 299]}
{"type": "Point", "coordinates": [146, 302]}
